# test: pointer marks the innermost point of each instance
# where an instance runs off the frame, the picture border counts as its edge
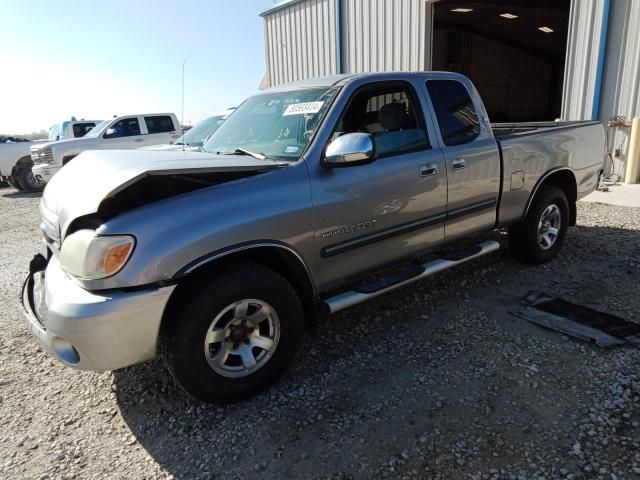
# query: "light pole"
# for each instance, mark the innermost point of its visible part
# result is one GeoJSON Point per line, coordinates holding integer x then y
{"type": "Point", "coordinates": [182, 116]}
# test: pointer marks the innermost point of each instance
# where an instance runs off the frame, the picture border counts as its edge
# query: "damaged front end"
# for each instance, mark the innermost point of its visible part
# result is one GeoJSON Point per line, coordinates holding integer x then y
{"type": "Point", "coordinates": [99, 185]}
{"type": "Point", "coordinates": [153, 188]}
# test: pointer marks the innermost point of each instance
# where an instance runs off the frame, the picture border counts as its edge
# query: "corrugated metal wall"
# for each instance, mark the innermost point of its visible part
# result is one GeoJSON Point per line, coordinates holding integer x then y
{"type": "Point", "coordinates": [377, 35]}
{"type": "Point", "coordinates": [585, 26]}
{"type": "Point", "coordinates": [386, 35]}
{"type": "Point", "coordinates": [300, 41]}
{"type": "Point", "coordinates": [621, 86]}
{"type": "Point", "coordinates": [621, 79]}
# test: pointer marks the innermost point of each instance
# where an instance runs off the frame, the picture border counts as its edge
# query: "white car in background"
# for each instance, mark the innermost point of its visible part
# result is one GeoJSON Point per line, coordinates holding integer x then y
{"type": "Point", "coordinates": [15, 157]}
{"type": "Point", "coordinates": [120, 133]}
{"type": "Point", "coordinates": [195, 137]}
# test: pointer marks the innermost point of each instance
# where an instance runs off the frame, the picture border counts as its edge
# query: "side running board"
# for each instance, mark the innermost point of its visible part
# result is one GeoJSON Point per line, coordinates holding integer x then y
{"type": "Point", "coordinates": [365, 292]}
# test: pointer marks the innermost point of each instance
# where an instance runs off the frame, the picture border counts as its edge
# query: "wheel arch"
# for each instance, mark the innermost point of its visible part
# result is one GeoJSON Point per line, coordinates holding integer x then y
{"type": "Point", "coordinates": [274, 255]}
{"type": "Point", "coordinates": [22, 161]}
{"type": "Point", "coordinates": [562, 178]}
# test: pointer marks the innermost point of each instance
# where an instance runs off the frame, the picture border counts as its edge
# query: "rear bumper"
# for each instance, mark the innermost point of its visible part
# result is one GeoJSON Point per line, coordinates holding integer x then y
{"type": "Point", "coordinates": [91, 330]}
{"type": "Point", "coordinates": [44, 172]}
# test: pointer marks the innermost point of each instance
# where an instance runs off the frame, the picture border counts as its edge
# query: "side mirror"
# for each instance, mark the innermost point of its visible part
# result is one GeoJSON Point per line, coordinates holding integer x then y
{"type": "Point", "coordinates": [349, 150]}
{"type": "Point", "coordinates": [110, 133]}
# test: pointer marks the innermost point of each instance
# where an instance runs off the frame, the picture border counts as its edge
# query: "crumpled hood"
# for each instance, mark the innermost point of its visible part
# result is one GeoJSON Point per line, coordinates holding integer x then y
{"type": "Point", "coordinates": [82, 185]}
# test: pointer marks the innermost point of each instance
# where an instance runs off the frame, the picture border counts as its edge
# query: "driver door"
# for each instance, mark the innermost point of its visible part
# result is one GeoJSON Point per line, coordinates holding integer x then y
{"type": "Point", "coordinates": [124, 134]}
{"type": "Point", "coordinates": [369, 215]}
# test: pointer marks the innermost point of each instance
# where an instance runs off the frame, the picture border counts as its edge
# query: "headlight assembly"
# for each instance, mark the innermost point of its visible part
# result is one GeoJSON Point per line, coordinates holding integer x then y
{"type": "Point", "coordinates": [88, 256]}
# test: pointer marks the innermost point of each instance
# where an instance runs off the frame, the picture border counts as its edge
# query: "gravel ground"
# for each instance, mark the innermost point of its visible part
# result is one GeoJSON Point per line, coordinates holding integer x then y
{"type": "Point", "coordinates": [435, 380]}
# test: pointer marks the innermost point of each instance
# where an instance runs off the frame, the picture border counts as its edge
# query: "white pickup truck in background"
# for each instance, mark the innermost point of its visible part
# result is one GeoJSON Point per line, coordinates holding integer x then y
{"type": "Point", "coordinates": [71, 129]}
{"type": "Point", "coordinates": [15, 157]}
{"type": "Point", "coordinates": [120, 133]}
{"type": "Point", "coordinates": [194, 138]}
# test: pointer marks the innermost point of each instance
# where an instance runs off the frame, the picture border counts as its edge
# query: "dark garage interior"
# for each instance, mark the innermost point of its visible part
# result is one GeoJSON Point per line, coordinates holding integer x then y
{"type": "Point", "coordinates": [513, 50]}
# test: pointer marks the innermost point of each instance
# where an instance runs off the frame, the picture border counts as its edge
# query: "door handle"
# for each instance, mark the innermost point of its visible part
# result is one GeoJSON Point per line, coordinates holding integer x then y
{"type": "Point", "coordinates": [428, 170]}
{"type": "Point", "coordinates": [458, 163]}
{"type": "Point", "coordinates": [139, 140]}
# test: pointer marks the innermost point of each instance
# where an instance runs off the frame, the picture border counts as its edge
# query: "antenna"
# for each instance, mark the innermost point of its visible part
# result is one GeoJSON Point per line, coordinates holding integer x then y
{"type": "Point", "coordinates": [182, 116]}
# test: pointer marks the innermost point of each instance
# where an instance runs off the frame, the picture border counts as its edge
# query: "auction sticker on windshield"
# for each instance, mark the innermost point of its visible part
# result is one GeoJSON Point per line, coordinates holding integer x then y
{"type": "Point", "coordinates": [302, 108]}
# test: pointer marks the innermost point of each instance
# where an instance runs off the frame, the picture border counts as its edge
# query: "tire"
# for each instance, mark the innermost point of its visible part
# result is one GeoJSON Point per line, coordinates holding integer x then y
{"type": "Point", "coordinates": [13, 183]}
{"type": "Point", "coordinates": [195, 343]}
{"type": "Point", "coordinates": [539, 238]}
{"type": "Point", "coordinates": [27, 181]}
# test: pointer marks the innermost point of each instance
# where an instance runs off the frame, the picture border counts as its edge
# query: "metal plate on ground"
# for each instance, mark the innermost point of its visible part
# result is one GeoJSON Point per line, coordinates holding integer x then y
{"type": "Point", "coordinates": [585, 323]}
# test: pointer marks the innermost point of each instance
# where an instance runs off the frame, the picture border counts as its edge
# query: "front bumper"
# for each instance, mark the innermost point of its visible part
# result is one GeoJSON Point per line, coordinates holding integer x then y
{"type": "Point", "coordinates": [86, 330]}
{"type": "Point", "coordinates": [44, 171]}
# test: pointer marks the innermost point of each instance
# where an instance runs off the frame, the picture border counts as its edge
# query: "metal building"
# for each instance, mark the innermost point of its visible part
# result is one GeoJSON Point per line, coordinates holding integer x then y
{"type": "Point", "coordinates": [531, 60]}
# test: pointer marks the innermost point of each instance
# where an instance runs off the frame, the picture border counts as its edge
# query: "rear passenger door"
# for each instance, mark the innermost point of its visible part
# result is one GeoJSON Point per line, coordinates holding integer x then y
{"type": "Point", "coordinates": [124, 134]}
{"type": "Point", "coordinates": [471, 156]}
{"type": "Point", "coordinates": [161, 129]}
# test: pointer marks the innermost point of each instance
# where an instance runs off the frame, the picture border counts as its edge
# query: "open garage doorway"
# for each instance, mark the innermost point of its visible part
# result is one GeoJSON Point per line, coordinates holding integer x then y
{"type": "Point", "coordinates": [513, 50]}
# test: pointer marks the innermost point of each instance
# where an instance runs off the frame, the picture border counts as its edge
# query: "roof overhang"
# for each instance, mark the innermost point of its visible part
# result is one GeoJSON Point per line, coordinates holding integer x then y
{"type": "Point", "coordinates": [279, 6]}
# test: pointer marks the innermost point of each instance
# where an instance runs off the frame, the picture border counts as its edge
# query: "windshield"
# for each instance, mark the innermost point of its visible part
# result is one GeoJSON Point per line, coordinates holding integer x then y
{"type": "Point", "coordinates": [278, 125]}
{"type": "Point", "coordinates": [54, 133]}
{"type": "Point", "coordinates": [198, 134]}
{"type": "Point", "coordinates": [97, 130]}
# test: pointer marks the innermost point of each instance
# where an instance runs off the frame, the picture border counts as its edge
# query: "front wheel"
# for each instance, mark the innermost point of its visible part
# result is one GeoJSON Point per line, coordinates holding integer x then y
{"type": "Point", "coordinates": [13, 183]}
{"type": "Point", "coordinates": [539, 238]}
{"type": "Point", "coordinates": [28, 181]}
{"type": "Point", "coordinates": [236, 336]}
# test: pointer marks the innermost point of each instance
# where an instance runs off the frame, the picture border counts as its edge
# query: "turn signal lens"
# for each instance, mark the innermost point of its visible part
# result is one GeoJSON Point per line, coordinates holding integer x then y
{"type": "Point", "coordinates": [89, 256]}
{"type": "Point", "coordinates": [115, 257]}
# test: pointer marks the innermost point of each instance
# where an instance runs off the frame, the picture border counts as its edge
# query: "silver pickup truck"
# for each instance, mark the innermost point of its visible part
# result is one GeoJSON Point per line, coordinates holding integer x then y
{"type": "Point", "coordinates": [311, 197]}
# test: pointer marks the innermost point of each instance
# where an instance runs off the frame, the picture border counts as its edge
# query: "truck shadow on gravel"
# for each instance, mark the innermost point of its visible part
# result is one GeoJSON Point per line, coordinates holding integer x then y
{"type": "Point", "coordinates": [15, 194]}
{"type": "Point", "coordinates": [435, 378]}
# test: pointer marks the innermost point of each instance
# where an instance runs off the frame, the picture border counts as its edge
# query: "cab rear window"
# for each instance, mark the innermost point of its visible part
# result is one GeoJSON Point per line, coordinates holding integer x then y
{"type": "Point", "coordinates": [455, 111]}
{"type": "Point", "coordinates": [159, 124]}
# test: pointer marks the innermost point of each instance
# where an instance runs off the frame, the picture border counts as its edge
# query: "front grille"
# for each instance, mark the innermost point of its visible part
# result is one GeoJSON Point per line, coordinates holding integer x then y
{"type": "Point", "coordinates": [42, 155]}
{"type": "Point", "coordinates": [48, 154]}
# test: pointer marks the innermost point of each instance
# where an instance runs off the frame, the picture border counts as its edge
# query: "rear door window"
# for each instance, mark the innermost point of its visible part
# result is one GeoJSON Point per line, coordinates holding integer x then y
{"type": "Point", "coordinates": [127, 127]}
{"type": "Point", "coordinates": [456, 114]}
{"type": "Point", "coordinates": [81, 129]}
{"type": "Point", "coordinates": [159, 124]}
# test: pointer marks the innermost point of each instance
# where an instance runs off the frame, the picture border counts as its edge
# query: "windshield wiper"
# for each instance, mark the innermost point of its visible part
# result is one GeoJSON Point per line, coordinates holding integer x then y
{"type": "Point", "coordinates": [242, 151]}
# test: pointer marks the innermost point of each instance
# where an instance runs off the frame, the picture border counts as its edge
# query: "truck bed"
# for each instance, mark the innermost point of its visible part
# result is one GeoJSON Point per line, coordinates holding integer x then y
{"type": "Point", "coordinates": [531, 150]}
{"type": "Point", "coordinates": [502, 130]}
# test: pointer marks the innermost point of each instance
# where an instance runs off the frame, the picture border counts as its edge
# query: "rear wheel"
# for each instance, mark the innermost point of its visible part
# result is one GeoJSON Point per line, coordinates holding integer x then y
{"type": "Point", "coordinates": [539, 238]}
{"type": "Point", "coordinates": [236, 336]}
{"type": "Point", "coordinates": [27, 180]}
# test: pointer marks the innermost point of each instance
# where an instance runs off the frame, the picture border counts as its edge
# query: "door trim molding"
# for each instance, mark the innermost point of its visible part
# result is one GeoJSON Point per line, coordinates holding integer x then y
{"type": "Point", "coordinates": [390, 232]}
{"type": "Point", "coordinates": [384, 234]}
{"type": "Point", "coordinates": [471, 208]}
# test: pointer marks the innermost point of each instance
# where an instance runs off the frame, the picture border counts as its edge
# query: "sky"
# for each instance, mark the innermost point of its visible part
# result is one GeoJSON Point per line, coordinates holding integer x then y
{"type": "Point", "coordinates": [95, 59]}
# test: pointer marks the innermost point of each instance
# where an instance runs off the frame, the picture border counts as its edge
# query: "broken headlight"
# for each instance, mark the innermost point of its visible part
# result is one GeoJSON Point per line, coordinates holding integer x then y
{"type": "Point", "coordinates": [89, 256]}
